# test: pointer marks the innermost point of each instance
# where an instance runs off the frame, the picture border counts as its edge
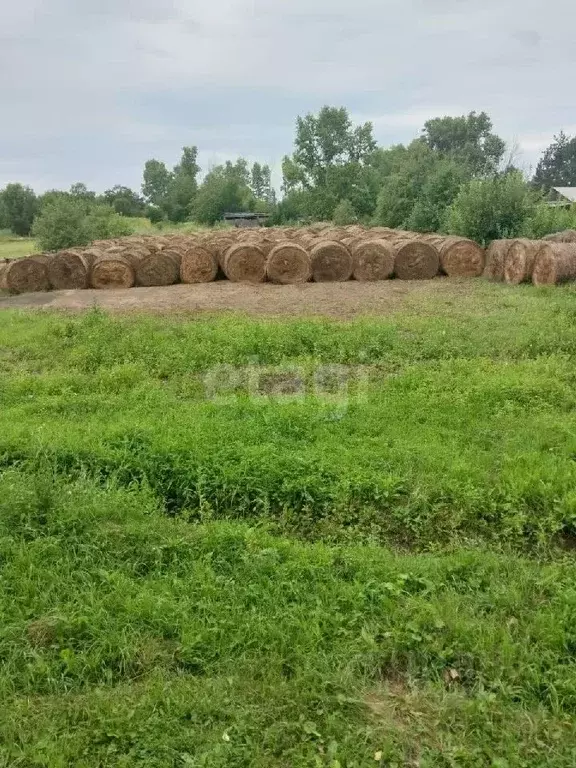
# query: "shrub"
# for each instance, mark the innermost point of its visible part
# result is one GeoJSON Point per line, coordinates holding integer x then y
{"type": "Point", "coordinates": [344, 214]}
{"type": "Point", "coordinates": [546, 220]}
{"type": "Point", "coordinates": [489, 209]}
{"type": "Point", "coordinates": [66, 222]}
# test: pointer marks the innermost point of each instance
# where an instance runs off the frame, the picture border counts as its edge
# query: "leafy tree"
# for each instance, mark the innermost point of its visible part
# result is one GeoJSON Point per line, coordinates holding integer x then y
{"type": "Point", "coordinates": [124, 201]}
{"type": "Point", "coordinates": [19, 206]}
{"type": "Point", "coordinates": [225, 188]}
{"type": "Point", "coordinates": [157, 179]}
{"type": "Point", "coordinates": [344, 214]}
{"type": "Point", "coordinates": [172, 192]}
{"type": "Point", "coordinates": [417, 185]}
{"type": "Point", "coordinates": [292, 208]}
{"type": "Point", "coordinates": [68, 221]}
{"type": "Point", "coordinates": [438, 192]}
{"type": "Point", "coordinates": [468, 139]}
{"type": "Point", "coordinates": [261, 184]}
{"type": "Point", "coordinates": [325, 140]}
{"type": "Point", "coordinates": [4, 223]}
{"type": "Point", "coordinates": [557, 167]}
{"type": "Point", "coordinates": [183, 186]}
{"type": "Point", "coordinates": [330, 161]}
{"type": "Point", "coordinates": [489, 209]}
{"type": "Point", "coordinates": [81, 191]}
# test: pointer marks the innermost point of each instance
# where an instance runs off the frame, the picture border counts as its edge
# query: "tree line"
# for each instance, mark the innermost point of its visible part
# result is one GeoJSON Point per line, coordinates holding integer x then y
{"type": "Point", "coordinates": [454, 177]}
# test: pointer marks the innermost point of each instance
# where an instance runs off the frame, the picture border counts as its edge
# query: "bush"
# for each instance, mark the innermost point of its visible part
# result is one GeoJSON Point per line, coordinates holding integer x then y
{"type": "Point", "coordinates": [344, 214]}
{"type": "Point", "coordinates": [66, 222]}
{"type": "Point", "coordinates": [546, 220]}
{"type": "Point", "coordinates": [154, 214]}
{"type": "Point", "coordinates": [489, 209]}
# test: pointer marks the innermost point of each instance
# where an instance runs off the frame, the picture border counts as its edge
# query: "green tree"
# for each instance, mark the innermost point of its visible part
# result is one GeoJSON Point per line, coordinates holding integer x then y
{"type": "Point", "coordinates": [19, 207]}
{"type": "Point", "coordinates": [67, 221]}
{"type": "Point", "coordinates": [438, 192]}
{"type": "Point", "coordinates": [80, 190]}
{"type": "Point", "coordinates": [468, 139]}
{"type": "Point", "coordinates": [489, 209]}
{"type": "Point", "coordinates": [292, 208]}
{"type": "Point", "coordinates": [124, 201]}
{"type": "Point", "coordinates": [261, 184]}
{"type": "Point", "coordinates": [331, 162]}
{"type": "Point", "coordinates": [183, 186]}
{"type": "Point", "coordinates": [225, 188]}
{"type": "Point", "coordinates": [417, 185]}
{"type": "Point", "coordinates": [557, 167]}
{"type": "Point", "coordinates": [344, 214]}
{"type": "Point", "coordinates": [156, 183]}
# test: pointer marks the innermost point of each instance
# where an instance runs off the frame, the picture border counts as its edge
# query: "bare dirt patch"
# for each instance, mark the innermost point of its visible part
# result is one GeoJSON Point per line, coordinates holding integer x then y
{"type": "Point", "coordinates": [342, 300]}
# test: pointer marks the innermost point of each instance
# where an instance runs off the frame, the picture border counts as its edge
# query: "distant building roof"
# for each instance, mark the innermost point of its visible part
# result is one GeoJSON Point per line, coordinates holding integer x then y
{"type": "Point", "coordinates": [248, 215]}
{"type": "Point", "coordinates": [568, 192]}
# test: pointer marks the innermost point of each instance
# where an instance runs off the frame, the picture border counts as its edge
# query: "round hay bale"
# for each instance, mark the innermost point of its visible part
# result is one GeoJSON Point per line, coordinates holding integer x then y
{"type": "Point", "coordinates": [113, 250]}
{"type": "Point", "coordinates": [520, 261]}
{"type": "Point", "coordinates": [567, 236]}
{"type": "Point", "coordinates": [415, 260]}
{"type": "Point", "coordinates": [266, 245]}
{"type": "Point", "coordinates": [244, 263]}
{"type": "Point", "coordinates": [220, 246]}
{"type": "Point", "coordinates": [29, 275]}
{"type": "Point", "coordinates": [101, 243]}
{"type": "Point", "coordinates": [496, 259]}
{"type": "Point", "coordinates": [381, 233]}
{"type": "Point", "coordinates": [351, 242]}
{"type": "Point", "coordinates": [331, 262]}
{"type": "Point", "coordinates": [112, 271]}
{"type": "Point", "coordinates": [70, 269]}
{"type": "Point", "coordinates": [334, 233]}
{"type": "Point", "coordinates": [555, 263]}
{"type": "Point", "coordinates": [160, 268]}
{"type": "Point", "coordinates": [288, 263]}
{"type": "Point", "coordinates": [3, 268]}
{"type": "Point", "coordinates": [373, 260]}
{"type": "Point", "coordinates": [461, 257]}
{"type": "Point", "coordinates": [198, 265]}
{"type": "Point", "coordinates": [306, 240]}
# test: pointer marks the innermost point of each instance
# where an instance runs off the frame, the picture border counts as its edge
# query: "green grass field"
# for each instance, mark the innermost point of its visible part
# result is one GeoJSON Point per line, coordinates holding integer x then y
{"type": "Point", "coordinates": [12, 247]}
{"type": "Point", "coordinates": [200, 568]}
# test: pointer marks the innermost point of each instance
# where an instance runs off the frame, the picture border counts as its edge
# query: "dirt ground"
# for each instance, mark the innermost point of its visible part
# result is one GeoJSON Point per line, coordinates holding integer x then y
{"type": "Point", "coordinates": [325, 299]}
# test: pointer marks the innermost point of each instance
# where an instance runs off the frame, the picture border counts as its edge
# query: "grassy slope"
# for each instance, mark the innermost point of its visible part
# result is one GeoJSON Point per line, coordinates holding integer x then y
{"type": "Point", "coordinates": [131, 637]}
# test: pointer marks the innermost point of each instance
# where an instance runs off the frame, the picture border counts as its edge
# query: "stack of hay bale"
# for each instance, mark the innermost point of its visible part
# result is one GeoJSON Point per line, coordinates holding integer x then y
{"type": "Point", "coordinates": [282, 255]}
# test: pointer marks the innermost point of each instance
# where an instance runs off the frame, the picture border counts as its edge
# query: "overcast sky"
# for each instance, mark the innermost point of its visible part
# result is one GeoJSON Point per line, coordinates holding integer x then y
{"type": "Point", "coordinates": [90, 89]}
